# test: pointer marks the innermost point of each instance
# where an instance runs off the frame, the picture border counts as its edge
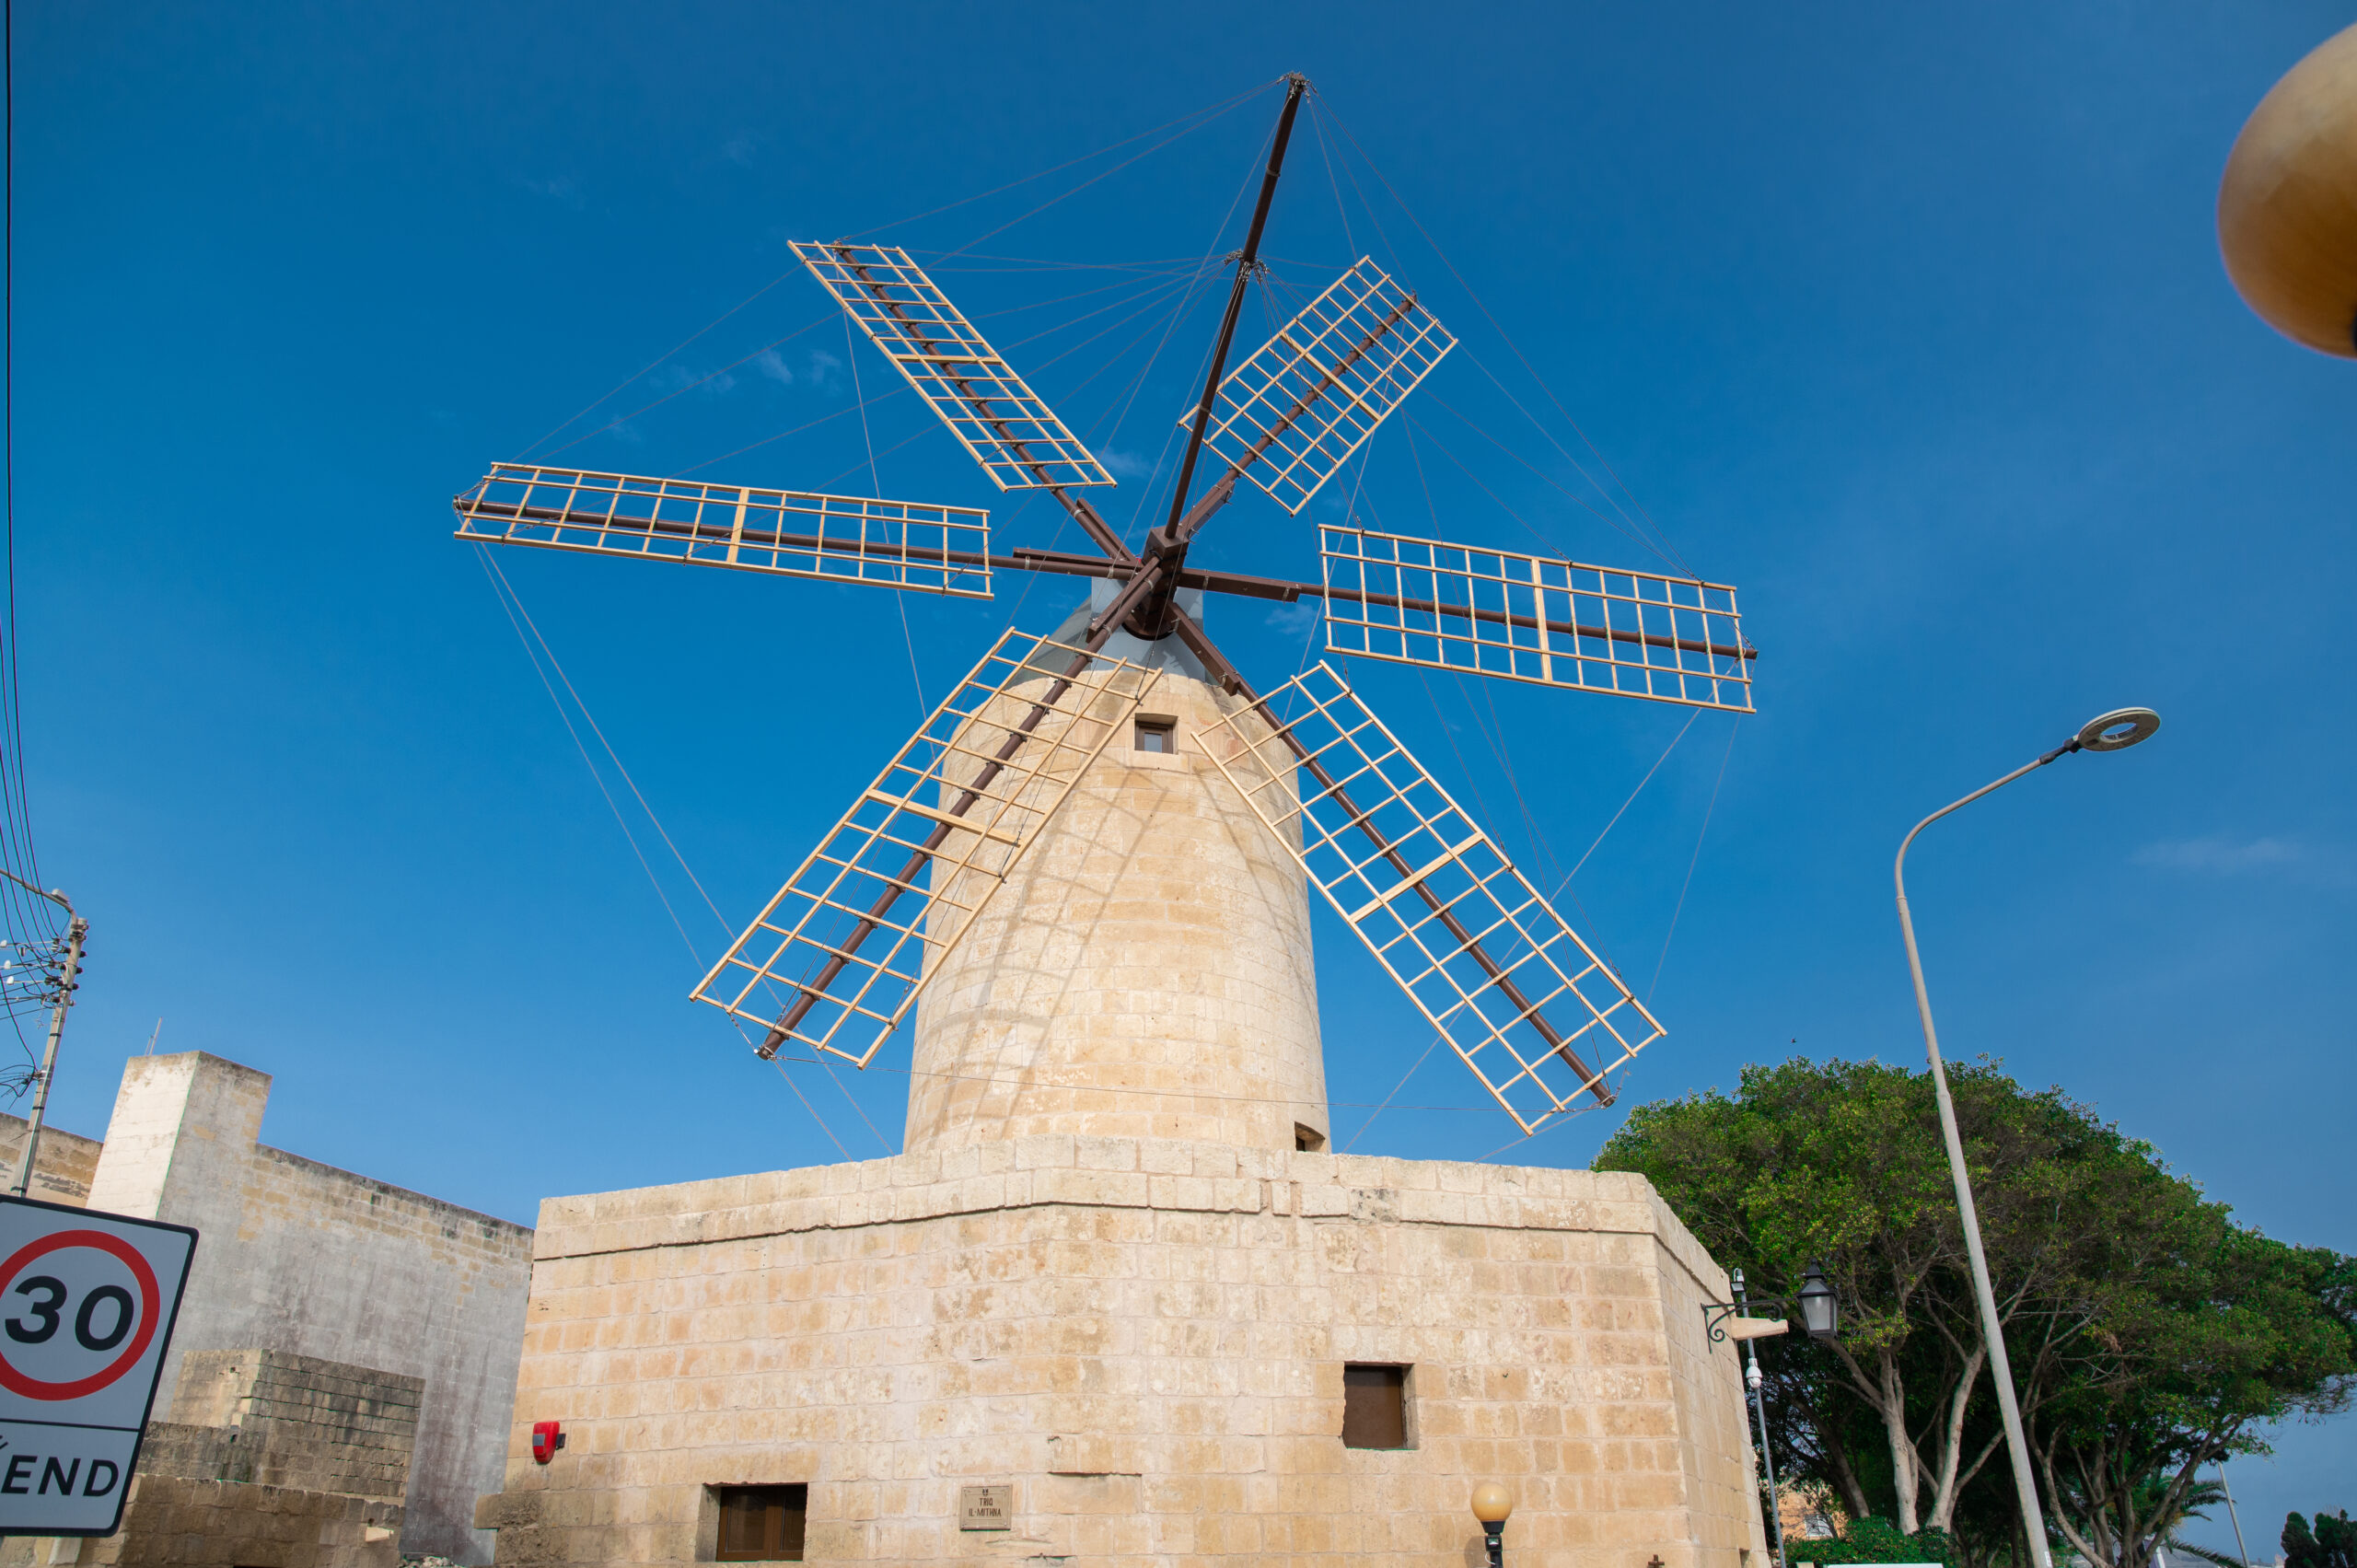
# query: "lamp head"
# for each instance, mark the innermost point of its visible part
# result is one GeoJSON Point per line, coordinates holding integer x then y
{"type": "Point", "coordinates": [2119, 730]}
{"type": "Point", "coordinates": [1820, 1307]}
{"type": "Point", "coordinates": [1492, 1504]}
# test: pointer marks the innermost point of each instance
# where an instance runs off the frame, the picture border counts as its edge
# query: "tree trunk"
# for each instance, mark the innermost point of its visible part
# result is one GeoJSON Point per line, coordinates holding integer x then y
{"type": "Point", "coordinates": [1854, 1495]}
{"type": "Point", "coordinates": [1904, 1479]}
{"type": "Point", "coordinates": [1944, 1493]}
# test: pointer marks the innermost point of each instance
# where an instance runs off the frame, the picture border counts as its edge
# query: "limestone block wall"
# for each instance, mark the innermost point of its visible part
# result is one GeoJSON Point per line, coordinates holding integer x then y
{"type": "Point", "coordinates": [1144, 1339]}
{"type": "Point", "coordinates": [269, 1458]}
{"type": "Point", "coordinates": [305, 1259]}
{"type": "Point", "coordinates": [318, 1425]}
{"type": "Point", "coordinates": [63, 1169]}
{"type": "Point", "coordinates": [1146, 973]}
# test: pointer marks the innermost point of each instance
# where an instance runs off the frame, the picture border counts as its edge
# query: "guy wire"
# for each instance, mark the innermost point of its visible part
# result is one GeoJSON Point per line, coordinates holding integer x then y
{"type": "Point", "coordinates": [520, 618]}
{"type": "Point", "coordinates": [1734, 727]}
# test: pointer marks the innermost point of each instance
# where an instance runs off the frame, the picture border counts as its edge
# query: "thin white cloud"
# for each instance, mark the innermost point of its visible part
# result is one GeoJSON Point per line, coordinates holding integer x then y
{"type": "Point", "coordinates": [679, 377]}
{"type": "Point", "coordinates": [1292, 620]}
{"type": "Point", "coordinates": [770, 363]}
{"type": "Point", "coordinates": [2218, 855]}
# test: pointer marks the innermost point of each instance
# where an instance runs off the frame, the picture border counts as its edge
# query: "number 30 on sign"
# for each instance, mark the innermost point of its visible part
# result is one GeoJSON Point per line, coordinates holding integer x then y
{"type": "Point", "coordinates": [87, 1305]}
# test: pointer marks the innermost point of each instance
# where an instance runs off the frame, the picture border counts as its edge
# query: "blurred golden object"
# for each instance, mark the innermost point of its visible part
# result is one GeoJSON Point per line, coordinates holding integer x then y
{"type": "Point", "coordinates": [2287, 207]}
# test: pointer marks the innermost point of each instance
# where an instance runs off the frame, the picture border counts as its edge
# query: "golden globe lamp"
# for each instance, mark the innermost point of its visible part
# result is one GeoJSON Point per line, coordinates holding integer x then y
{"type": "Point", "coordinates": [2287, 205]}
{"type": "Point", "coordinates": [1492, 1504]}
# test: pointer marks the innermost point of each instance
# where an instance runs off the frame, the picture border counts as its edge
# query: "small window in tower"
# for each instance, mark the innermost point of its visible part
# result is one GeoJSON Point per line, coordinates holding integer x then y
{"type": "Point", "coordinates": [1307, 1140]}
{"type": "Point", "coordinates": [761, 1523]}
{"type": "Point", "coordinates": [1375, 1405]}
{"type": "Point", "coordinates": [1156, 734]}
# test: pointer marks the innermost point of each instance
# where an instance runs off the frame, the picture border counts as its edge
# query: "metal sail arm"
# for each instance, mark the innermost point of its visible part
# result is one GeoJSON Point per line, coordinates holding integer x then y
{"type": "Point", "coordinates": [903, 544]}
{"type": "Point", "coordinates": [1100, 632]}
{"type": "Point", "coordinates": [848, 943]}
{"type": "Point", "coordinates": [1469, 892]}
{"type": "Point", "coordinates": [1004, 425]}
{"type": "Point", "coordinates": [1534, 618]}
{"type": "Point", "coordinates": [1189, 525]}
{"type": "Point", "coordinates": [1296, 410]}
{"type": "Point", "coordinates": [1246, 261]}
{"type": "Point", "coordinates": [1170, 544]}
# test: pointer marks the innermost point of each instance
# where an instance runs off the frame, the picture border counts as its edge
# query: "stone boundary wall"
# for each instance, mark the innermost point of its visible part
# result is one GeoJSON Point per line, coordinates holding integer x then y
{"type": "Point", "coordinates": [67, 1164]}
{"type": "Point", "coordinates": [314, 1262]}
{"type": "Point", "coordinates": [302, 1422]}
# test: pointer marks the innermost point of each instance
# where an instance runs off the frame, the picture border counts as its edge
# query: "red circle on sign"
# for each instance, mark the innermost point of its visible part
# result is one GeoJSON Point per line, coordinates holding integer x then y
{"type": "Point", "coordinates": [17, 1382]}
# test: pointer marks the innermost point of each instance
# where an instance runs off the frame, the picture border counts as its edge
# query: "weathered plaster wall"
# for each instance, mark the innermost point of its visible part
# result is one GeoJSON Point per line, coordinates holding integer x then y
{"type": "Point", "coordinates": [300, 1257]}
{"type": "Point", "coordinates": [61, 1173]}
{"type": "Point", "coordinates": [1146, 1339]}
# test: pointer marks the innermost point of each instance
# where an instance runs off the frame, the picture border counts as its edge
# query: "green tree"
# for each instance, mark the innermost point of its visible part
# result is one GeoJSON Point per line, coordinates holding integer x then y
{"type": "Point", "coordinates": [2150, 1335]}
{"type": "Point", "coordinates": [2333, 1543]}
{"type": "Point", "coordinates": [1842, 1162]}
{"type": "Point", "coordinates": [2208, 1333]}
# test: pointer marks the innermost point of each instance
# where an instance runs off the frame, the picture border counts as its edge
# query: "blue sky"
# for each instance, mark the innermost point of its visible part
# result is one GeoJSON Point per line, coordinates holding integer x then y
{"type": "Point", "coordinates": [1908, 322]}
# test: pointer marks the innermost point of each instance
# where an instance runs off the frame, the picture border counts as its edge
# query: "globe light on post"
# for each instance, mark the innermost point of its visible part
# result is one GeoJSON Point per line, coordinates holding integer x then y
{"type": "Point", "coordinates": [2287, 205]}
{"type": "Point", "coordinates": [1820, 1307]}
{"type": "Point", "coordinates": [1492, 1504]}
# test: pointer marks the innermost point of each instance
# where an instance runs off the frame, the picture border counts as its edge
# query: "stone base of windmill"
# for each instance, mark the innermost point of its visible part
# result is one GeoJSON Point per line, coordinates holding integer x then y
{"type": "Point", "coordinates": [1062, 1350]}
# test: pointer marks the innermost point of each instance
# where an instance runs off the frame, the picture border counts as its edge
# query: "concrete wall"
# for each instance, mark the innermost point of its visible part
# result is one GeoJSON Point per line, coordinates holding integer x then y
{"type": "Point", "coordinates": [63, 1172]}
{"type": "Point", "coordinates": [1144, 1339]}
{"type": "Point", "coordinates": [300, 1257]}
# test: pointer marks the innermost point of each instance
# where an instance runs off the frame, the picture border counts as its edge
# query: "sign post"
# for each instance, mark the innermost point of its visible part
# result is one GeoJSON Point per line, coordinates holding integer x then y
{"type": "Point", "coordinates": [88, 1302]}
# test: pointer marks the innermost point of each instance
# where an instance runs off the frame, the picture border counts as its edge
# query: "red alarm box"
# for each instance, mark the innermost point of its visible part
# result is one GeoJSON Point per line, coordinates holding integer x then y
{"type": "Point", "coordinates": [547, 1438]}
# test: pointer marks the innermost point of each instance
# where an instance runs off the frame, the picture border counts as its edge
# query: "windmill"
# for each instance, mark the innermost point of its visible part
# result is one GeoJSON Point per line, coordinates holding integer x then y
{"type": "Point", "coordinates": [839, 957]}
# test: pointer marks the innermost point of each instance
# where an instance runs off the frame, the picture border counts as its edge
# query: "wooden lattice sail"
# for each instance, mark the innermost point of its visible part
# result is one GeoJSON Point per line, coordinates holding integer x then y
{"type": "Point", "coordinates": [840, 954]}
{"type": "Point", "coordinates": [1519, 996]}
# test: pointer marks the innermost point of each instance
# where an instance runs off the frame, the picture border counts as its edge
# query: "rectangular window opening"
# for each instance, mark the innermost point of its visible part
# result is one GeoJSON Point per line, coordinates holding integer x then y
{"type": "Point", "coordinates": [1156, 733]}
{"type": "Point", "coordinates": [1307, 1140]}
{"type": "Point", "coordinates": [1375, 1405]}
{"type": "Point", "coordinates": [761, 1524]}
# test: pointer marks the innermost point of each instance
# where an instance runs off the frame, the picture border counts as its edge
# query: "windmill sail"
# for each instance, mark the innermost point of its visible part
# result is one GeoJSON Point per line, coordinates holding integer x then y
{"type": "Point", "coordinates": [1534, 618]}
{"type": "Point", "coordinates": [836, 539]}
{"type": "Point", "coordinates": [835, 960]}
{"type": "Point", "coordinates": [1288, 417]}
{"type": "Point", "coordinates": [1521, 999]}
{"type": "Point", "coordinates": [1006, 426]}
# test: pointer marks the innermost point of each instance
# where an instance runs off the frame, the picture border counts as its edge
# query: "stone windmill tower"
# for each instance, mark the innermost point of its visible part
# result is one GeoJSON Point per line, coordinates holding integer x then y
{"type": "Point", "coordinates": [1113, 1301]}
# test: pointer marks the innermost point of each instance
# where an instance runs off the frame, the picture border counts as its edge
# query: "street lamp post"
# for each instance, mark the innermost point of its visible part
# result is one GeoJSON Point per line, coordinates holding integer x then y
{"type": "Point", "coordinates": [1751, 1381]}
{"type": "Point", "coordinates": [2114, 731]}
{"type": "Point", "coordinates": [1821, 1311]}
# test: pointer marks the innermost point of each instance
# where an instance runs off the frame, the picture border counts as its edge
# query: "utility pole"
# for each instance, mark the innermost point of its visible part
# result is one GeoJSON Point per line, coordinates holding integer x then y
{"type": "Point", "coordinates": [78, 932]}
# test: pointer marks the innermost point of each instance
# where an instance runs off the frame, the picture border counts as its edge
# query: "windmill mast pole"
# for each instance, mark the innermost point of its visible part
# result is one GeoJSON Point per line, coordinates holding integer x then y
{"type": "Point", "coordinates": [1245, 258]}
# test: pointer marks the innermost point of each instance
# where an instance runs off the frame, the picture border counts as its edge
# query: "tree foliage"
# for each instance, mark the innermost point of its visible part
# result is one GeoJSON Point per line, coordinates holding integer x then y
{"type": "Point", "coordinates": [2332, 1544]}
{"type": "Point", "coordinates": [1871, 1539]}
{"type": "Point", "coordinates": [2149, 1334]}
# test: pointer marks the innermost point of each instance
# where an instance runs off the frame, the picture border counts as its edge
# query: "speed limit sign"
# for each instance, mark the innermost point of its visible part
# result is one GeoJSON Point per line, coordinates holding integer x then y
{"type": "Point", "coordinates": [87, 1305]}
